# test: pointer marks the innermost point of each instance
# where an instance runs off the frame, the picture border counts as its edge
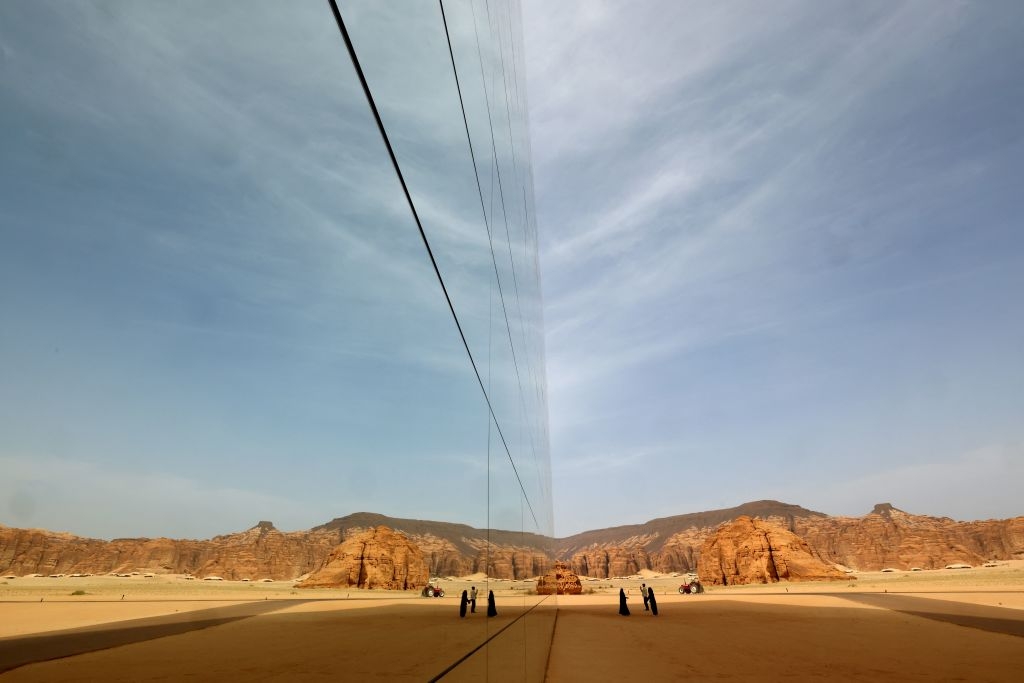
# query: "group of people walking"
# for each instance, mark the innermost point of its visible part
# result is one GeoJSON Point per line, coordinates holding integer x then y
{"type": "Point", "coordinates": [650, 602]}
{"type": "Point", "coordinates": [469, 600]}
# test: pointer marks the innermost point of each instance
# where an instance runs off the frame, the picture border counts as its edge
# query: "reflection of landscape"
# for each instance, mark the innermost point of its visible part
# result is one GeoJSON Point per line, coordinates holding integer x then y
{"type": "Point", "coordinates": [269, 257]}
{"type": "Point", "coordinates": [884, 539]}
{"type": "Point", "coordinates": [281, 261]}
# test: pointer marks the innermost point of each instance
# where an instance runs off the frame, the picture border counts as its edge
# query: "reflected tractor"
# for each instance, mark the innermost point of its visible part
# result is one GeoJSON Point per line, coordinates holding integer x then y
{"type": "Point", "coordinates": [691, 587]}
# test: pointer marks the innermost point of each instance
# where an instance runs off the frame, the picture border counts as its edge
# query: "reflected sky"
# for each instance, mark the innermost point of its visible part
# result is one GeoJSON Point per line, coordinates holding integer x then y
{"type": "Point", "coordinates": [217, 307]}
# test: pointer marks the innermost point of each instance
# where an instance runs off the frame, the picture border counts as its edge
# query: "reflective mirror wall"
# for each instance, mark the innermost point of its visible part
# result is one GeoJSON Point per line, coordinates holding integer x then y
{"type": "Point", "coordinates": [269, 283]}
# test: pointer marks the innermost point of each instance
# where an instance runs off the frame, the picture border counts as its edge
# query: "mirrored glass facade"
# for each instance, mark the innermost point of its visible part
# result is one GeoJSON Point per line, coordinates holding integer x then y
{"type": "Point", "coordinates": [222, 299]}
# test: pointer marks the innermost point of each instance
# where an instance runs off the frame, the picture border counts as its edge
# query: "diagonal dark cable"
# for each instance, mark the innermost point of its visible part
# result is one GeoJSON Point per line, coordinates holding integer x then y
{"type": "Point", "coordinates": [426, 243]}
{"type": "Point", "coordinates": [489, 639]}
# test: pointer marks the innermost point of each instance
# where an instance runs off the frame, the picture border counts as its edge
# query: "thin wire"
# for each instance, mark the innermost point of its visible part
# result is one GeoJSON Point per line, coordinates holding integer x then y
{"type": "Point", "coordinates": [515, 172]}
{"type": "Point", "coordinates": [423, 235]}
{"type": "Point", "coordinates": [501, 193]}
{"type": "Point", "coordinates": [487, 225]}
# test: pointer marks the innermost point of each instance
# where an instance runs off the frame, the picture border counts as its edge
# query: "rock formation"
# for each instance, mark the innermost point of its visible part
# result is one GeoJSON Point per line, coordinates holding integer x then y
{"type": "Point", "coordinates": [889, 537]}
{"type": "Point", "coordinates": [603, 563]}
{"type": "Point", "coordinates": [561, 580]}
{"type": "Point", "coordinates": [510, 562]}
{"type": "Point", "coordinates": [258, 553]}
{"type": "Point", "coordinates": [885, 537]}
{"type": "Point", "coordinates": [379, 558]}
{"type": "Point", "coordinates": [754, 551]}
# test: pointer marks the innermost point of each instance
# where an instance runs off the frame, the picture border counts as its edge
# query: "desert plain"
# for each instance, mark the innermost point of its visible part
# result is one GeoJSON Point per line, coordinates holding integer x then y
{"type": "Point", "coordinates": [965, 624]}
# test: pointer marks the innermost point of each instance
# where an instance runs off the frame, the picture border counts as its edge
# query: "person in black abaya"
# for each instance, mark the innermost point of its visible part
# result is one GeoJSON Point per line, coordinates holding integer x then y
{"type": "Point", "coordinates": [492, 611]}
{"type": "Point", "coordinates": [653, 601]}
{"type": "Point", "coordinates": [462, 604]}
{"type": "Point", "coordinates": [623, 610]}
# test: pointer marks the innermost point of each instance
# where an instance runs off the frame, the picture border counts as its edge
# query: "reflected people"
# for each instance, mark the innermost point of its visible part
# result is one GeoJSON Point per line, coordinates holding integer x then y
{"type": "Point", "coordinates": [492, 611]}
{"type": "Point", "coordinates": [623, 609]}
{"type": "Point", "coordinates": [653, 601]}
{"type": "Point", "coordinates": [462, 604]}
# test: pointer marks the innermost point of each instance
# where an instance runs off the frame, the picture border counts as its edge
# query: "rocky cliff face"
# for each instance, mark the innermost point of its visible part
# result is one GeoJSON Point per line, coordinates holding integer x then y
{"type": "Point", "coordinates": [260, 552]}
{"type": "Point", "coordinates": [603, 563]}
{"type": "Point", "coordinates": [379, 558]}
{"type": "Point", "coordinates": [510, 562]}
{"type": "Point", "coordinates": [680, 551]}
{"type": "Point", "coordinates": [886, 537]}
{"type": "Point", "coordinates": [889, 537]}
{"type": "Point", "coordinates": [754, 551]}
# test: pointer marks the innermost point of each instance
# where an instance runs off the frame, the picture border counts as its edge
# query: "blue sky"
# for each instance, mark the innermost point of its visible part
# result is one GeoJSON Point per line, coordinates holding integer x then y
{"type": "Point", "coordinates": [216, 305]}
{"type": "Point", "coordinates": [783, 255]}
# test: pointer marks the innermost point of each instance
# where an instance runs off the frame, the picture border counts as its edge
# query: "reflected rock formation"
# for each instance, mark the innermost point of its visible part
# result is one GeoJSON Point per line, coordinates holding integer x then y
{"type": "Point", "coordinates": [562, 580]}
{"type": "Point", "coordinates": [885, 537]}
{"type": "Point", "coordinates": [256, 553]}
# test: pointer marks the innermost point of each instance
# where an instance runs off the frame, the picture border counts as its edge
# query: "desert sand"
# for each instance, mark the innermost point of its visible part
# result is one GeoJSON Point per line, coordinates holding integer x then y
{"type": "Point", "coordinates": [902, 626]}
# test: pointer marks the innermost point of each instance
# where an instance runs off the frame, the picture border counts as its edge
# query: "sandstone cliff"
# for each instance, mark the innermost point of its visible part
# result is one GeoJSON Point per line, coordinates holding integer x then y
{"type": "Point", "coordinates": [459, 549]}
{"type": "Point", "coordinates": [379, 558]}
{"type": "Point", "coordinates": [603, 563]}
{"type": "Point", "coordinates": [754, 551]}
{"type": "Point", "coordinates": [260, 552]}
{"type": "Point", "coordinates": [885, 537]}
{"type": "Point", "coordinates": [889, 537]}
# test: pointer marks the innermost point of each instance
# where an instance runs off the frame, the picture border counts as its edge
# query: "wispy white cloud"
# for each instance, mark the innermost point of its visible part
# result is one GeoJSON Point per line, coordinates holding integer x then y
{"type": "Point", "coordinates": [723, 178]}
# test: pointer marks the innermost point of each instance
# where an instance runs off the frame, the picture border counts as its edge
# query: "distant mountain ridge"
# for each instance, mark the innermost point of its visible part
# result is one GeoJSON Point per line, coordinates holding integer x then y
{"type": "Point", "coordinates": [662, 528]}
{"type": "Point", "coordinates": [884, 537]}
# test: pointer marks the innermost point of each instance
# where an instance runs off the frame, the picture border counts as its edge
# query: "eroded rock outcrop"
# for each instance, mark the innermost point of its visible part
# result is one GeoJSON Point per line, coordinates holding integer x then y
{"type": "Point", "coordinates": [561, 580]}
{"type": "Point", "coordinates": [755, 551]}
{"type": "Point", "coordinates": [680, 551]}
{"type": "Point", "coordinates": [885, 537]}
{"type": "Point", "coordinates": [511, 562]}
{"type": "Point", "coordinates": [379, 558]}
{"type": "Point", "coordinates": [890, 537]}
{"type": "Point", "coordinates": [603, 563]}
{"type": "Point", "coordinates": [259, 552]}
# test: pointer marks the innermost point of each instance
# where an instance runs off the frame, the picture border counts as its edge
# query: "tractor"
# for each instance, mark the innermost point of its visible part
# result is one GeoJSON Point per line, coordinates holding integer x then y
{"type": "Point", "coordinates": [430, 591]}
{"type": "Point", "coordinates": [691, 587]}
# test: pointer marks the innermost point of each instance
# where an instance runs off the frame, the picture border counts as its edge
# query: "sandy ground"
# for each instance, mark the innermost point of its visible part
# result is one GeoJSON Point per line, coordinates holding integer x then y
{"type": "Point", "coordinates": [941, 625]}
{"type": "Point", "coordinates": [762, 638]}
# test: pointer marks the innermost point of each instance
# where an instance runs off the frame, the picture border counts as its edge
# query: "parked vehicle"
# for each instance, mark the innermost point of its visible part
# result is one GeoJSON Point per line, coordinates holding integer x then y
{"type": "Point", "coordinates": [691, 587]}
{"type": "Point", "coordinates": [430, 591]}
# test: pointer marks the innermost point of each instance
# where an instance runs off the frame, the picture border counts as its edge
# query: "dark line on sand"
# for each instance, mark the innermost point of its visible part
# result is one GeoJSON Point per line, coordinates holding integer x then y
{"type": "Point", "coordinates": [477, 648]}
{"type": "Point", "coordinates": [551, 646]}
{"type": "Point", "coordinates": [983, 617]}
{"type": "Point", "coordinates": [19, 651]}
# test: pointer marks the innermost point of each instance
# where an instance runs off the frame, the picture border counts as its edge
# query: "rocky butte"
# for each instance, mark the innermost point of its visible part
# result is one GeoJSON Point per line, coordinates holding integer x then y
{"type": "Point", "coordinates": [378, 558]}
{"type": "Point", "coordinates": [749, 550]}
{"type": "Point", "coordinates": [885, 537]}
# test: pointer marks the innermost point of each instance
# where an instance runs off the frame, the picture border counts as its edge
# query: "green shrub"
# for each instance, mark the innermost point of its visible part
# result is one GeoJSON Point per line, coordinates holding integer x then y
{"type": "Point", "coordinates": [79, 592]}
